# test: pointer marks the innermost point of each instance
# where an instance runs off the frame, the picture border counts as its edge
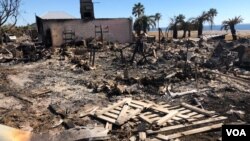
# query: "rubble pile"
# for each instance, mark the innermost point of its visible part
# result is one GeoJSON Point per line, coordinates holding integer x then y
{"type": "Point", "coordinates": [24, 51]}
{"type": "Point", "coordinates": [137, 91]}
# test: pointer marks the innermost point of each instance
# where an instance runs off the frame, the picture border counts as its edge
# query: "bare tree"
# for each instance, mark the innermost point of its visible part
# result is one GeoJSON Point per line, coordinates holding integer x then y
{"type": "Point", "coordinates": [9, 10]}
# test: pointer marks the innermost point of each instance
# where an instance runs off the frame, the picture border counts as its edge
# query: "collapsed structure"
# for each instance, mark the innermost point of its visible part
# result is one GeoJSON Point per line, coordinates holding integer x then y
{"type": "Point", "coordinates": [137, 91]}
{"type": "Point", "coordinates": [57, 28]}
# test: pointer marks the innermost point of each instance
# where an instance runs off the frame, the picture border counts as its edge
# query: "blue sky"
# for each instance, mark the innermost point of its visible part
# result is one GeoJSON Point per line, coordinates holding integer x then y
{"type": "Point", "coordinates": [123, 8]}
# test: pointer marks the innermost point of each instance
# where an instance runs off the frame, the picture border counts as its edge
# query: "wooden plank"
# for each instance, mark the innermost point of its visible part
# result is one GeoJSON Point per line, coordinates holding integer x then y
{"type": "Point", "coordinates": [189, 132]}
{"type": "Point", "coordinates": [111, 115]}
{"type": "Point", "coordinates": [114, 111]}
{"type": "Point", "coordinates": [135, 106]}
{"type": "Point", "coordinates": [155, 119]}
{"type": "Point", "coordinates": [118, 108]}
{"type": "Point", "coordinates": [112, 107]}
{"type": "Point", "coordinates": [198, 116]}
{"type": "Point", "coordinates": [123, 114]}
{"type": "Point", "coordinates": [88, 112]}
{"type": "Point", "coordinates": [210, 120]}
{"type": "Point", "coordinates": [147, 113]}
{"type": "Point", "coordinates": [142, 136]}
{"type": "Point", "coordinates": [145, 105]}
{"type": "Point", "coordinates": [108, 126]}
{"type": "Point", "coordinates": [174, 107]}
{"type": "Point", "coordinates": [153, 116]}
{"type": "Point", "coordinates": [185, 111]}
{"type": "Point", "coordinates": [146, 119]}
{"type": "Point", "coordinates": [181, 93]}
{"type": "Point", "coordinates": [107, 119]}
{"type": "Point", "coordinates": [133, 138]}
{"type": "Point", "coordinates": [160, 109]}
{"type": "Point", "coordinates": [40, 92]}
{"type": "Point", "coordinates": [166, 118]}
{"type": "Point", "coordinates": [193, 114]}
{"type": "Point", "coordinates": [165, 105]}
{"type": "Point", "coordinates": [132, 114]}
{"type": "Point", "coordinates": [198, 110]}
{"type": "Point", "coordinates": [163, 110]}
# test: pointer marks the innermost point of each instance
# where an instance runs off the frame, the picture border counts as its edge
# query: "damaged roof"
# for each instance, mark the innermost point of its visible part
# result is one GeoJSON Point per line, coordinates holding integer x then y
{"type": "Point", "coordinates": [57, 15]}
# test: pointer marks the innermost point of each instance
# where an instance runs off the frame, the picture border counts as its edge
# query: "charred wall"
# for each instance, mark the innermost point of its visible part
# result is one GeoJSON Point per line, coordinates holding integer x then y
{"type": "Point", "coordinates": [120, 29]}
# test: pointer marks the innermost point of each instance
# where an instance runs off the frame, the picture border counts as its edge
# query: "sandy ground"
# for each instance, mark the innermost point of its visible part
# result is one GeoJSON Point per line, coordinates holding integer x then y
{"type": "Point", "coordinates": [240, 33]}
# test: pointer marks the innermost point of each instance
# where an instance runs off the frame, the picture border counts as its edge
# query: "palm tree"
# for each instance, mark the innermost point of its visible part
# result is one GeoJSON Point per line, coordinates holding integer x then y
{"type": "Point", "coordinates": [157, 18]}
{"type": "Point", "coordinates": [174, 24]}
{"type": "Point", "coordinates": [200, 20]}
{"type": "Point", "coordinates": [230, 24]}
{"type": "Point", "coordinates": [144, 23]}
{"type": "Point", "coordinates": [193, 26]}
{"type": "Point", "coordinates": [212, 13]}
{"type": "Point", "coordinates": [186, 26]}
{"type": "Point", "coordinates": [138, 10]}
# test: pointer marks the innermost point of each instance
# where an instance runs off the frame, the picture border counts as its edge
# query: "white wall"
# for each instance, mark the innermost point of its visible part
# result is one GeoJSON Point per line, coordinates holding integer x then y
{"type": "Point", "coordinates": [119, 29]}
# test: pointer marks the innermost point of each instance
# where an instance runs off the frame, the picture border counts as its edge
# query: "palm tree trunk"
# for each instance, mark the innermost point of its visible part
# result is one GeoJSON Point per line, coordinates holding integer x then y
{"type": "Point", "coordinates": [233, 32]}
{"type": "Point", "coordinates": [159, 34]}
{"type": "Point", "coordinates": [1, 35]}
{"type": "Point", "coordinates": [175, 32]}
{"type": "Point", "coordinates": [184, 33]}
{"type": "Point", "coordinates": [200, 28]}
{"type": "Point", "coordinates": [189, 33]}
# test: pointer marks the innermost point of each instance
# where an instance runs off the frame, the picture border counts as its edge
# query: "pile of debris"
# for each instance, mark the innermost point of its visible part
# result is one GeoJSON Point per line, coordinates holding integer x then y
{"type": "Point", "coordinates": [138, 120]}
{"type": "Point", "coordinates": [24, 51]}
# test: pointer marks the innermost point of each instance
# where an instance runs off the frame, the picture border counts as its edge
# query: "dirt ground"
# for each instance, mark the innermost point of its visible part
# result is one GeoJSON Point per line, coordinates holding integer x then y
{"type": "Point", "coordinates": [75, 89]}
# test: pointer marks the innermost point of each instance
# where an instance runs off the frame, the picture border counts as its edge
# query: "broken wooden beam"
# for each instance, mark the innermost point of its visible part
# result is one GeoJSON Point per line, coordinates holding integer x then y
{"type": "Point", "coordinates": [108, 126]}
{"type": "Point", "coordinates": [180, 93]}
{"type": "Point", "coordinates": [198, 110]}
{"type": "Point", "coordinates": [165, 110]}
{"type": "Point", "coordinates": [146, 119]}
{"type": "Point", "coordinates": [39, 92]}
{"type": "Point", "coordinates": [142, 136]}
{"type": "Point", "coordinates": [166, 118]}
{"type": "Point", "coordinates": [88, 112]}
{"type": "Point", "coordinates": [100, 112]}
{"type": "Point", "coordinates": [123, 114]}
{"type": "Point", "coordinates": [189, 132]}
{"type": "Point", "coordinates": [169, 128]}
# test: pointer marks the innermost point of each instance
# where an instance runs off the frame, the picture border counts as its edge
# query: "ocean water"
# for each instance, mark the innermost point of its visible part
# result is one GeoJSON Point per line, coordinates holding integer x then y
{"type": "Point", "coordinates": [216, 27]}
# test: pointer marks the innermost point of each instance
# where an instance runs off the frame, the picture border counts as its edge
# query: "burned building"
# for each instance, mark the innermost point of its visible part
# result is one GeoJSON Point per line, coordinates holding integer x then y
{"type": "Point", "coordinates": [87, 9]}
{"type": "Point", "coordinates": [56, 28]}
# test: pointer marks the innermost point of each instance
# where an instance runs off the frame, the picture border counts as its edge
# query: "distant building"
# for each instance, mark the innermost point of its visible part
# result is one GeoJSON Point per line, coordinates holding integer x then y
{"type": "Point", "coordinates": [56, 28]}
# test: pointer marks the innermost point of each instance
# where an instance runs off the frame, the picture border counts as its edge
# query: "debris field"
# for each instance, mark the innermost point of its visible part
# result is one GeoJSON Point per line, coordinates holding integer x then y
{"type": "Point", "coordinates": [176, 90]}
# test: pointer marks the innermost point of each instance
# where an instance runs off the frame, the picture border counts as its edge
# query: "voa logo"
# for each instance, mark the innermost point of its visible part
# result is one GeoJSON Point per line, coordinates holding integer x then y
{"type": "Point", "coordinates": [236, 132]}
